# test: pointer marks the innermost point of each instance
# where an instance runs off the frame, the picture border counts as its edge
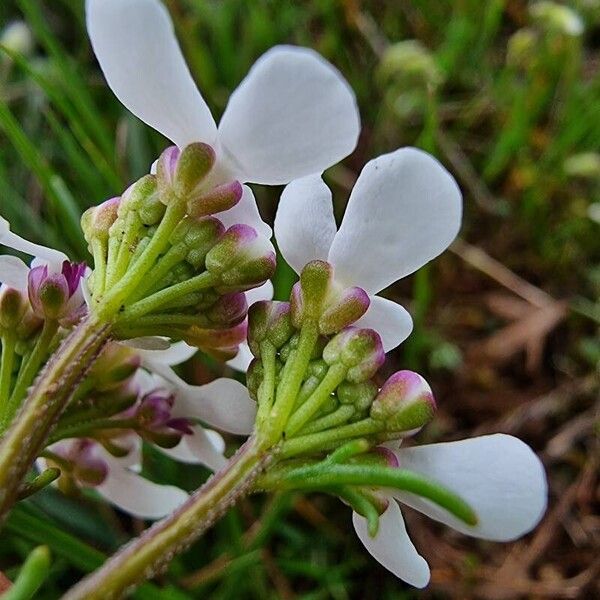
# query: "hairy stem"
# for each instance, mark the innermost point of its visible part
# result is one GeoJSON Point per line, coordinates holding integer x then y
{"type": "Point", "coordinates": [48, 397]}
{"type": "Point", "coordinates": [150, 553]}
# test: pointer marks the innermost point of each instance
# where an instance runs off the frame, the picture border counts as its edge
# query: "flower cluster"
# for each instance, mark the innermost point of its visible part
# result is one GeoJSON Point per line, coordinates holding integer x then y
{"type": "Point", "coordinates": [182, 261]}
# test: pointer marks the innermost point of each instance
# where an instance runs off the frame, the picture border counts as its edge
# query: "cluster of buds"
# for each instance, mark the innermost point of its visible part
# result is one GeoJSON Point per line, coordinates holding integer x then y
{"type": "Point", "coordinates": [337, 397]}
{"type": "Point", "coordinates": [166, 263]}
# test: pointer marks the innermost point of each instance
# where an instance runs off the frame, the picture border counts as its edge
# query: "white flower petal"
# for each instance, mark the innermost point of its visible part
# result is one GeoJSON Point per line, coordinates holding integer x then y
{"type": "Point", "coordinates": [390, 320]}
{"type": "Point", "coordinates": [223, 404]}
{"type": "Point", "coordinates": [143, 65]}
{"type": "Point", "coordinates": [203, 447]}
{"type": "Point", "coordinates": [246, 213]}
{"type": "Point", "coordinates": [53, 258]}
{"type": "Point", "coordinates": [404, 210]}
{"type": "Point", "coordinates": [392, 546]}
{"type": "Point", "coordinates": [294, 114]}
{"type": "Point", "coordinates": [13, 272]}
{"type": "Point", "coordinates": [498, 475]}
{"type": "Point", "coordinates": [241, 361]}
{"type": "Point", "coordinates": [175, 354]}
{"type": "Point", "coordinates": [264, 292]}
{"type": "Point", "coordinates": [138, 496]}
{"type": "Point", "coordinates": [304, 224]}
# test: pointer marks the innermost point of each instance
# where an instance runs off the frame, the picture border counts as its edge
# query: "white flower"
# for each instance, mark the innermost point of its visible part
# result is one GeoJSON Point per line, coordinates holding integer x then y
{"type": "Point", "coordinates": [292, 115]}
{"type": "Point", "coordinates": [404, 210]}
{"type": "Point", "coordinates": [498, 475]}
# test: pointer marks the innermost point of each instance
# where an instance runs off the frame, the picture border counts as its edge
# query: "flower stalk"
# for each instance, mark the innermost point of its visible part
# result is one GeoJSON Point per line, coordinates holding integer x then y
{"type": "Point", "coordinates": [150, 553]}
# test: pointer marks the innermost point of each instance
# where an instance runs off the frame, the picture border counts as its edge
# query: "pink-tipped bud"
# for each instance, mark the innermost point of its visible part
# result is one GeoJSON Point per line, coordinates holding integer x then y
{"type": "Point", "coordinates": [228, 310]}
{"type": "Point", "coordinates": [404, 403]}
{"type": "Point", "coordinates": [220, 198]}
{"type": "Point", "coordinates": [221, 343]}
{"type": "Point", "coordinates": [360, 350]}
{"type": "Point", "coordinates": [269, 320]}
{"type": "Point", "coordinates": [199, 235]}
{"type": "Point", "coordinates": [97, 220]}
{"type": "Point", "coordinates": [182, 172]}
{"type": "Point", "coordinates": [343, 309]}
{"type": "Point", "coordinates": [241, 260]}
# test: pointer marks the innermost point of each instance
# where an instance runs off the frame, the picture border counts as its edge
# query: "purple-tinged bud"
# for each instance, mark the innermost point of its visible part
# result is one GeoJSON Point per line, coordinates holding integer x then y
{"type": "Point", "coordinates": [183, 172]}
{"type": "Point", "coordinates": [387, 457]}
{"type": "Point", "coordinates": [349, 306]}
{"type": "Point", "coordinates": [211, 341]}
{"type": "Point", "coordinates": [156, 423]}
{"type": "Point", "coordinates": [49, 293]}
{"type": "Point", "coordinates": [86, 467]}
{"type": "Point", "coordinates": [228, 310]}
{"type": "Point", "coordinates": [310, 293]}
{"type": "Point", "coordinates": [269, 320]}
{"type": "Point", "coordinates": [223, 197]}
{"type": "Point", "coordinates": [405, 403]}
{"type": "Point", "coordinates": [13, 306]}
{"type": "Point", "coordinates": [360, 350]}
{"type": "Point", "coordinates": [97, 220]}
{"type": "Point", "coordinates": [359, 395]}
{"type": "Point", "coordinates": [241, 260]}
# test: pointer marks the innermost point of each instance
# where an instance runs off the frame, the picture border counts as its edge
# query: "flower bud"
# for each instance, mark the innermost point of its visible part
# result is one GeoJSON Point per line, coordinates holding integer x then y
{"type": "Point", "coordinates": [97, 220]}
{"type": "Point", "coordinates": [241, 260]}
{"type": "Point", "coordinates": [228, 310]}
{"type": "Point", "coordinates": [359, 395]}
{"type": "Point", "coordinates": [309, 294]}
{"type": "Point", "coordinates": [254, 377]}
{"type": "Point", "coordinates": [155, 422]}
{"type": "Point", "coordinates": [137, 194]}
{"type": "Point", "coordinates": [360, 350]}
{"type": "Point", "coordinates": [269, 320]}
{"type": "Point", "coordinates": [199, 235]}
{"type": "Point", "coordinates": [522, 48]}
{"type": "Point", "coordinates": [151, 210]}
{"type": "Point", "coordinates": [86, 466]}
{"type": "Point", "coordinates": [220, 198]}
{"type": "Point", "coordinates": [217, 342]}
{"type": "Point", "coordinates": [404, 403]}
{"type": "Point", "coordinates": [49, 294]}
{"type": "Point", "coordinates": [347, 307]}
{"type": "Point", "coordinates": [17, 37]}
{"type": "Point", "coordinates": [182, 172]}
{"type": "Point", "coordinates": [13, 305]}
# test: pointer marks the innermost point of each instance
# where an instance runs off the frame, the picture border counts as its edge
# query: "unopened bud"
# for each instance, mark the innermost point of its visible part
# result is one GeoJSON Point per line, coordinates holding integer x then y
{"type": "Point", "coordinates": [138, 193]}
{"type": "Point", "coordinates": [199, 235]}
{"type": "Point", "coordinates": [269, 320]}
{"type": "Point", "coordinates": [228, 310]}
{"type": "Point", "coordinates": [217, 342]}
{"type": "Point", "coordinates": [97, 220]}
{"type": "Point", "coordinates": [359, 395]}
{"type": "Point", "coordinates": [13, 305]}
{"type": "Point", "coordinates": [404, 403]}
{"type": "Point", "coordinates": [347, 307]}
{"type": "Point", "coordinates": [182, 172]}
{"type": "Point", "coordinates": [116, 364]}
{"type": "Point", "coordinates": [241, 260]}
{"type": "Point", "coordinates": [310, 293]}
{"type": "Point", "coordinates": [220, 198]}
{"type": "Point", "coordinates": [360, 350]}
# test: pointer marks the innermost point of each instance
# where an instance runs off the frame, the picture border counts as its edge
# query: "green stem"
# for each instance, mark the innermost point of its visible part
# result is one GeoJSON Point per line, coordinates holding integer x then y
{"type": "Point", "coordinates": [127, 246]}
{"type": "Point", "coordinates": [334, 376]}
{"type": "Point", "coordinates": [32, 575]}
{"type": "Point", "coordinates": [160, 240]}
{"type": "Point", "coordinates": [7, 361]}
{"type": "Point", "coordinates": [99, 251]}
{"type": "Point", "coordinates": [135, 311]}
{"type": "Point", "coordinates": [50, 394]}
{"type": "Point", "coordinates": [30, 370]}
{"type": "Point", "coordinates": [148, 554]}
{"type": "Point", "coordinates": [336, 418]}
{"type": "Point", "coordinates": [90, 427]}
{"type": "Point", "coordinates": [325, 440]}
{"type": "Point", "coordinates": [266, 391]}
{"type": "Point", "coordinates": [291, 381]}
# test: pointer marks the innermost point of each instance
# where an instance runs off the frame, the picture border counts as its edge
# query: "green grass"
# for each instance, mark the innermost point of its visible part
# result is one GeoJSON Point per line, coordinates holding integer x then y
{"type": "Point", "coordinates": [504, 126]}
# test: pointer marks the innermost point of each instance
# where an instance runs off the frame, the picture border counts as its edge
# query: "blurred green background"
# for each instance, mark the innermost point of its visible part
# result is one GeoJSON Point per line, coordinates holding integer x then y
{"type": "Point", "coordinates": [506, 94]}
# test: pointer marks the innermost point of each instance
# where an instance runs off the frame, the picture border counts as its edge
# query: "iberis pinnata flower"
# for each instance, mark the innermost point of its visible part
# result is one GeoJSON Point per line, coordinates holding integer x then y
{"type": "Point", "coordinates": [153, 404]}
{"type": "Point", "coordinates": [404, 210]}
{"type": "Point", "coordinates": [293, 114]}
